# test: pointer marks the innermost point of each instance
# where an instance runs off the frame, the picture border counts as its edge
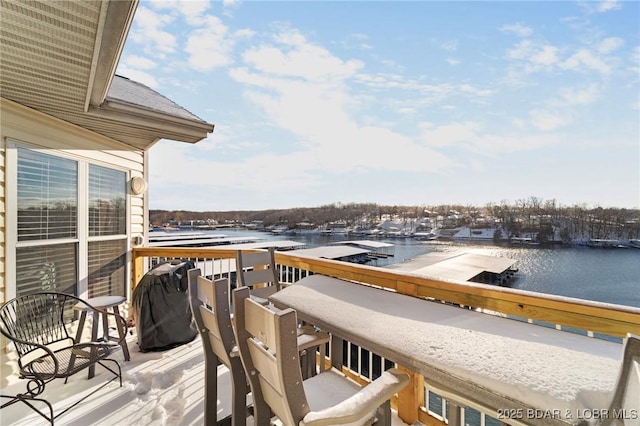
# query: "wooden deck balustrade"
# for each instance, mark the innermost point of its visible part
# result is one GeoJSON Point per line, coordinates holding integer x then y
{"type": "Point", "coordinates": [590, 318]}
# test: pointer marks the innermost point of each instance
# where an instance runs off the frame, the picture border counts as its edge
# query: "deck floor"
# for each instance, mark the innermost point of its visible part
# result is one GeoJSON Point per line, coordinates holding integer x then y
{"type": "Point", "coordinates": [158, 388]}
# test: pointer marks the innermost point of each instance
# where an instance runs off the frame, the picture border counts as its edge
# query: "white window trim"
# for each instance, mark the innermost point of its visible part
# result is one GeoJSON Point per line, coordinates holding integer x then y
{"type": "Point", "coordinates": [83, 239]}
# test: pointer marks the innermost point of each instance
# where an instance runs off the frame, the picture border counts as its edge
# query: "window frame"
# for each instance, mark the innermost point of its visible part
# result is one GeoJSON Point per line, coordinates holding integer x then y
{"type": "Point", "coordinates": [82, 220]}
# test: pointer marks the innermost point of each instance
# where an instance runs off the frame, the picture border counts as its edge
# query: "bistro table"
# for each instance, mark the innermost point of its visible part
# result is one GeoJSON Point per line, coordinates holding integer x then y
{"type": "Point", "coordinates": [521, 373]}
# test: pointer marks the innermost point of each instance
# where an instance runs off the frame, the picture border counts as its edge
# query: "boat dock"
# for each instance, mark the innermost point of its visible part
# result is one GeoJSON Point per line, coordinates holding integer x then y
{"type": "Point", "coordinates": [377, 249]}
{"type": "Point", "coordinates": [337, 252]}
{"type": "Point", "coordinates": [194, 239]}
{"type": "Point", "coordinates": [472, 267]}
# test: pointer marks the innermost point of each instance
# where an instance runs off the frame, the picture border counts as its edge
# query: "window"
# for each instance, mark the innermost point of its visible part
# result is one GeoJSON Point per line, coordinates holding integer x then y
{"type": "Point", "coordinates": [107, 219]}
{"type": "Point", "coordinates": [71, 226]}
{"type": "Point", "coordinates": [47, 196]}
{"type": "Point", "coordinates": [107, 208]}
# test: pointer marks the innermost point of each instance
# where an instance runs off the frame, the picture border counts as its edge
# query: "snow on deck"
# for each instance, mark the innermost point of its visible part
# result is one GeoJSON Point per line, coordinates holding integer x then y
{"type": "Point", "coordinates": [158, 389]}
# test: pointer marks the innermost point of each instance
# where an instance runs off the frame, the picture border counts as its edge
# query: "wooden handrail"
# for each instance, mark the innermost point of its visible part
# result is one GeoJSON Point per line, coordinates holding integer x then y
{"type": "Point", "coordinates": [614, 320]}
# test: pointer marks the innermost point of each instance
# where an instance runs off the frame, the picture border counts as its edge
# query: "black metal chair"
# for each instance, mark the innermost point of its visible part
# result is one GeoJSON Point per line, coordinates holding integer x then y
{"type": "Point", "coordinates": [38, 326]}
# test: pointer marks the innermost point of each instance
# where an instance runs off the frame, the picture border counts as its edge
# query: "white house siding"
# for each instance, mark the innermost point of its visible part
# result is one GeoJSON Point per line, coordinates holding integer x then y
{"type": "Point", "coordinates": [21, 124]}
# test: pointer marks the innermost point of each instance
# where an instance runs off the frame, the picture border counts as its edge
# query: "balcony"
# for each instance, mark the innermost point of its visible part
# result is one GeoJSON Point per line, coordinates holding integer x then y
{"type": "Point", "coordinates": [175, 395]}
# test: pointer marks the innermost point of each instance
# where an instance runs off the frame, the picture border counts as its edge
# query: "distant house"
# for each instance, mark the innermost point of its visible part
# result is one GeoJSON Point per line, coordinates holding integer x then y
{"type": "Point", "coordinates": [73, 151]}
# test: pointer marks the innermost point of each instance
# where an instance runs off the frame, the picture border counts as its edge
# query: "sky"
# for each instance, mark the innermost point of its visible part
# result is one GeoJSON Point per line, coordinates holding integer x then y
{"type": "Point", "coordinates": [395, 103]}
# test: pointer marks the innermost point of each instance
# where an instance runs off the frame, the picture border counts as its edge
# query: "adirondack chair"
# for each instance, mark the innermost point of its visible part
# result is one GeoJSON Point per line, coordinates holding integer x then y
{"type": "Point", "coordinates": [38, 326]}
{"type": "Point", "coordinates": [268, 348]}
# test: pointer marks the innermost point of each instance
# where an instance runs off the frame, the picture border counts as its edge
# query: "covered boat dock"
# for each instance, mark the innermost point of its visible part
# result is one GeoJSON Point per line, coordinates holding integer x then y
{"type": "Point", "coordinates": [472, 267]}
{"type": "Point", "coordinates": [337, 252]}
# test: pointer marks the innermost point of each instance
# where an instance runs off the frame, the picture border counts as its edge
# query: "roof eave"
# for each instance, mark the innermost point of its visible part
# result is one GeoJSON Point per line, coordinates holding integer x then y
{"type": "Point", "coordinates": [169, 126]}
{"type": "Point", "coordinates": [117, 16]}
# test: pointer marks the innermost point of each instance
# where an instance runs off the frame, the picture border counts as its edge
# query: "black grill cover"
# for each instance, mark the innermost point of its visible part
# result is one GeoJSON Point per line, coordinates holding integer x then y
{"type": "Point", "coordinates": [161, 306]}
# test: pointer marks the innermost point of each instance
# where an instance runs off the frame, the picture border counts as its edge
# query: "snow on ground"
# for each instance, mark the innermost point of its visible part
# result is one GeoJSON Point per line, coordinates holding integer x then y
{"type": "Point", "coordinates": [158, 389]}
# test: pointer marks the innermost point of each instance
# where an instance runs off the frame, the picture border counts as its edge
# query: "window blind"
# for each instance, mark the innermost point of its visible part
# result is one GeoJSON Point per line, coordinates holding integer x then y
{"type": "Point", "coordinates": [46, 268]}
{"type": "Point", "coordinates": [107, 207]}
{"type": "Point", "coordinates": [107, 268]}
{"type": "Point", "coordinates": [47, 196]}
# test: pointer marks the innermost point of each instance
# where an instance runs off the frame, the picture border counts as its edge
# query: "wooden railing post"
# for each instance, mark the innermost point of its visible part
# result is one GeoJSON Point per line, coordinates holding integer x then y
{"type": "Point", "coordinates": [411, 398]}
{"type": "Point", "coordinates": [137, 265]}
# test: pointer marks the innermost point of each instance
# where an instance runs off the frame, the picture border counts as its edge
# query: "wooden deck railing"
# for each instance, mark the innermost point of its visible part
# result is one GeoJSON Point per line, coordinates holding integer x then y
{"type": "Point", "coordinates": [585, 317]}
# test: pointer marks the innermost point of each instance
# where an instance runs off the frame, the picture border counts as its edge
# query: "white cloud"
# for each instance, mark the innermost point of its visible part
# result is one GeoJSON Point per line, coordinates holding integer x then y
{"type": "Point", "coordinates": [610, 44]}
{"type": "Point", "coordinates": [537, 56]}
{"type": "Point", "coordinates": [470, 135]}
{"type": "Point", "coordinates": [138, 75]}
{"type": "Point", "coordinates": [583, 58]}
{"type": "Point", "coordinates": [548, 55]}
{"type": "Point", "coordinates": [522, 50]}
{"type": "Point", "coordinates": [244, 33]}
{"type": "Point", "coordinates": [191, 10]}
{"type": "Point", "coordinates": [138, 62]}
{"type": "Point", "coordinates": [601, 6]}
{"type": "Point", "coordinates": [518, 29]}
{"type": "Point", "coordinates": [148, 32]}
{"type": "Point", "coordinates": [634, 58]}
{"type": "Point", "coordinates": [451, 134]}
{"type": "Point", "coordinates": [450, 46]}
{"type": "Point", "coordinates": [431, 93]}
{"type": "Point", "coordinates": [231, 3]}
{"type": "Point", "coordinates": [302, 88]}
{"type": "Point", "coordinates": [298, 58]}
{"type": "Point", "coordinates": [573, 96]}
{"type": "Point", "coordinates": [608, 5]}
{"type": "Point", "coordinates": [547, 120]}
{"type": "Point", "coordinates": [209, 46]}
{"type": "Point", "coordinates": [452, 61]}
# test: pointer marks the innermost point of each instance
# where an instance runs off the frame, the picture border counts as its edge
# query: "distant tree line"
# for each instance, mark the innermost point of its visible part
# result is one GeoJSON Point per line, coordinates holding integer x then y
{"type": "Point", "coordinates": [531, 214]}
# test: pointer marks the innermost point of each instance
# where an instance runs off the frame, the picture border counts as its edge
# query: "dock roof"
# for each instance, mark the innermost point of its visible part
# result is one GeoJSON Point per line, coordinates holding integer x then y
{"type": "Point", "coordinates": [463, 267]}
{"type": "Point", "coordinates": [364, 243]}
{"type": "Point", "coordinates": [331, 252]}
{"type": "Point", "coordinates": [285, 245]}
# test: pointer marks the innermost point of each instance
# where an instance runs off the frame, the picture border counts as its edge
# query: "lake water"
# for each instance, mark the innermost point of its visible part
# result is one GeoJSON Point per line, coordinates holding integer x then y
{"type": "Point", "coordinates": [604, 275]}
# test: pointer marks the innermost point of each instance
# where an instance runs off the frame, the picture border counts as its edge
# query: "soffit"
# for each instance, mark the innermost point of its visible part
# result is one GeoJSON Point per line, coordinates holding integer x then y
{"type": "Point", "coordinates": [59, 57]}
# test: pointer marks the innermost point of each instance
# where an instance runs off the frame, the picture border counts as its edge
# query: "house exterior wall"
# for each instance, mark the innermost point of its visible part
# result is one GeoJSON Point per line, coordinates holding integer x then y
{"type": "Point", "coordinates": [24, 125]}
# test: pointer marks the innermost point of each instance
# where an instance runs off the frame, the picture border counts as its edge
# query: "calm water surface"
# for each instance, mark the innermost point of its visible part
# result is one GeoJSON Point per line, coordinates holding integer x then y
{"type": "Point", "coordinates": [604, 275]}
